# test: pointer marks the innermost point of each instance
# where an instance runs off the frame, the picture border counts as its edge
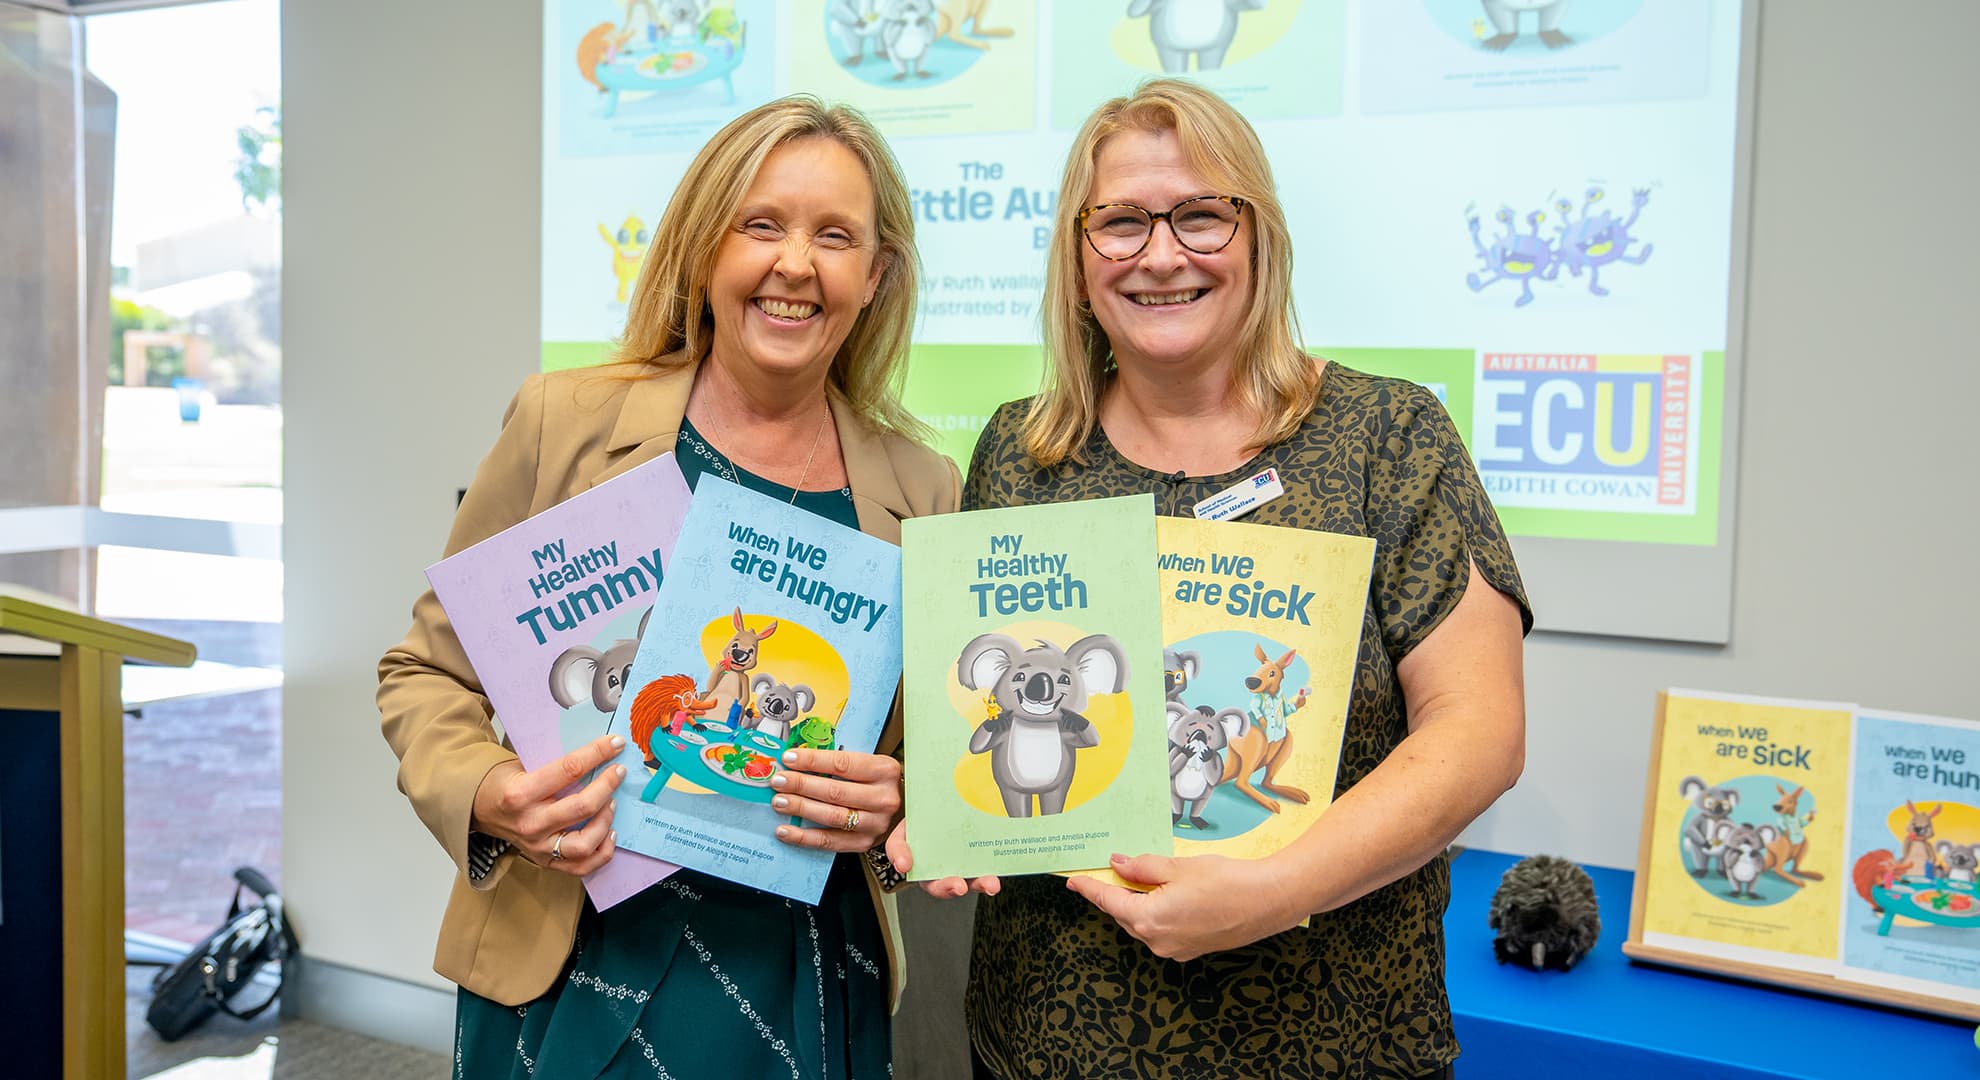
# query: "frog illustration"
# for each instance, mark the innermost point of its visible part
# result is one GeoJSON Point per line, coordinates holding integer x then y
{"type": "Point", "coordinates": [813, 733]}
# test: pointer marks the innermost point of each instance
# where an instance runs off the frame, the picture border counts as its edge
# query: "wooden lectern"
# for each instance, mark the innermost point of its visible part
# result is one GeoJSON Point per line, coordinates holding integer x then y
{"type": "Point", "coordinates": [62, 836]}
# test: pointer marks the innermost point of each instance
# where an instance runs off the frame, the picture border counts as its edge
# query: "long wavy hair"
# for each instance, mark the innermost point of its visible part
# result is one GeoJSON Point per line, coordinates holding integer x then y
{"type": "Point", "coordinates": [669, 323]}
{"type": "Point", "coordinates": [1275, 378]}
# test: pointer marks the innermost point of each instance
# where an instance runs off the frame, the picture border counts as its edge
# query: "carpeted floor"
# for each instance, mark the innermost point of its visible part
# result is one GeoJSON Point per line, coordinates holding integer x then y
{"type": "Point", "coordinates": [264, 1048]}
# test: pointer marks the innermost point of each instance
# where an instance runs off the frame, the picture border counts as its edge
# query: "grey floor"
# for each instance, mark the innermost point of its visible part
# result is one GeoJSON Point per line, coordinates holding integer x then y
{"type": "Point", "coordinates": [264, 1048]}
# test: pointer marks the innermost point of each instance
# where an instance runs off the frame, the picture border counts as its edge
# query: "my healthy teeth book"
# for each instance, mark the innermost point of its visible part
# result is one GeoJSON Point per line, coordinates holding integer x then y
{"type": "Point", "coordinates": [549, 612]}
{"type": "Point", "coordinates": [1033, 692]}
{"type": "Point", "coordinates": [774, 628]}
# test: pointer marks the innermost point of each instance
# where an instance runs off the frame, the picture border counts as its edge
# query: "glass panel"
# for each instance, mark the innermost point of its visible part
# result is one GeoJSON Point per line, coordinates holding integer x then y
{"type": "Point", "coordinates": [52, 221]}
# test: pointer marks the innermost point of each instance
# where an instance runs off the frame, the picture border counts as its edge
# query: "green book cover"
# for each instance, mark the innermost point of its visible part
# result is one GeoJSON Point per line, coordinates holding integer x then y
{"type": "Point", "coordinates": [1036, 730]}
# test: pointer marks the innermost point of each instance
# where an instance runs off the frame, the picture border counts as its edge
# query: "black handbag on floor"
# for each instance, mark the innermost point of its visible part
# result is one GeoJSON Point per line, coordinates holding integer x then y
{"type": "Point", "coordinates": [220, 967]}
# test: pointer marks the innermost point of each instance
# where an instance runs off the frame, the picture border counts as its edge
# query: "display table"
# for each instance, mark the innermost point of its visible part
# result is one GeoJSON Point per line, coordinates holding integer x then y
{"type": "Point", "coordinates": [1611, 1018]}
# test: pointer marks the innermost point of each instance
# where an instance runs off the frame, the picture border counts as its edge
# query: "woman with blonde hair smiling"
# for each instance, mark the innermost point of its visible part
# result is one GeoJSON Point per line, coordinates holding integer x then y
{"type": "Point", "coordinates": [764, 344]}
{"type": "Point", "coordinates": [1174, 367]}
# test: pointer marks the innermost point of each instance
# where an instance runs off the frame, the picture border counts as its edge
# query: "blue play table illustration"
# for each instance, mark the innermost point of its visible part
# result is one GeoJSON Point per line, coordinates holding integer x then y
{"type": "Point", "coordinates": [1942, 902]}
{"type": "Point", "coordinates": [726, 759]}
{"type": "Point", "coordinates": [618, 62]}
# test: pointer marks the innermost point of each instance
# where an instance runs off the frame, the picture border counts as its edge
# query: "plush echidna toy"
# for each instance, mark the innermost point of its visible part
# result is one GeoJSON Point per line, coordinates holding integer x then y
{"type": "Point", "coordinates": [1545, 914]}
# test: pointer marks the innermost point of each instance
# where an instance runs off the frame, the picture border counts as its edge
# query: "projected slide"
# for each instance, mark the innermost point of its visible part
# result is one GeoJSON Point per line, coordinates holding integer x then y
{"type": "Point", "coordinates": [1525, 205]}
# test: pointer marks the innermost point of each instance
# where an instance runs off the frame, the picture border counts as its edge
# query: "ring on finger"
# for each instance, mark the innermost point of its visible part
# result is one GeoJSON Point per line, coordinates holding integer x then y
{"type": "Point", "coordinates": [557, 847]}
{"type": "Point", "coordinates": [852, 821]}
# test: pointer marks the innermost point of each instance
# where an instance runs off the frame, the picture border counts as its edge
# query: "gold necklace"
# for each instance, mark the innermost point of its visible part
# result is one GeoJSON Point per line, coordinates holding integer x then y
{"type": "Point", "coordinates": [816, 437]}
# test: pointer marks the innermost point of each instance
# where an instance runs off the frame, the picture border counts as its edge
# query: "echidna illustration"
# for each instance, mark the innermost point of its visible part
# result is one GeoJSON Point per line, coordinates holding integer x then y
{"type": "Point", "coordinates": [1545, 913]}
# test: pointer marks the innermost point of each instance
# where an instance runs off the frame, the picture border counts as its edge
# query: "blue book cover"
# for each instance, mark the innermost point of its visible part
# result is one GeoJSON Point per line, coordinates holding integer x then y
{"type": "Point", "coordinates": [1912, 917]}
{"type": "Point", "coordinates": [773, 628]}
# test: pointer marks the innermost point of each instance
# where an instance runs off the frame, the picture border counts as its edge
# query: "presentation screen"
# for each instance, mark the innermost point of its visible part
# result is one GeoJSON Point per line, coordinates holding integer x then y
{"type": "Point", "coordinates": [1532, 207]}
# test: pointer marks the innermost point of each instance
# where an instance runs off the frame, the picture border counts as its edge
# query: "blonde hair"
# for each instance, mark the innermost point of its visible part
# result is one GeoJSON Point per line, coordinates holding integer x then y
{"type": "Point", "coordinates": [1275, 378]}
{"type": "Point", "coordinates": [669, 324]}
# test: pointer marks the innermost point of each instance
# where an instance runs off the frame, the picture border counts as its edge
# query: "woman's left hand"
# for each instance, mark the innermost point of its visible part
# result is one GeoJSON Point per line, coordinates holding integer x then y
{"type": "Point", "coordinates": [854, 802]}
{"type": "Point", "coordinates": [1200, 904]}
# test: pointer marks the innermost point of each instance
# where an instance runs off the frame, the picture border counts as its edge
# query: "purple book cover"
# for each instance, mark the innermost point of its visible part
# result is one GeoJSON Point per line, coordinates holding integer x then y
{"type": "Point", "coordinates": [550, 611]}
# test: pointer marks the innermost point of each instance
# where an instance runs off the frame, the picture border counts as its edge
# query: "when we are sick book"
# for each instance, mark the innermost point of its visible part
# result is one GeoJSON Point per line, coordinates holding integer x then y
{"type": "Point", "coordinates": [1036, 734]}
{"type": "Point", "coordinates": [775, 628]}
{"type": "Point", "coordinates": [1260, 629]}
{"type": "Point", "coordinates": [1743, 855]}
{"type": "Point", "coordinates": [1830, 847]}
{"type": "Point", "coordinates": [550, 612]}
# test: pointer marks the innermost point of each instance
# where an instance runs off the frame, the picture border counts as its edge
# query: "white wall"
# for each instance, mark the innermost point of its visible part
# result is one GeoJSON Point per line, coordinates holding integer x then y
{"type": "Point", "coordinates": [411, 298]}
{"type": "Point", "coordinates": [409, 303]}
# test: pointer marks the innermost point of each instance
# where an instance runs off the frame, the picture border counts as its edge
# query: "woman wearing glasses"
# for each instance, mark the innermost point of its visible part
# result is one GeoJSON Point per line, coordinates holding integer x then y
{"type": "Point", "coordinates": [1175, 367]}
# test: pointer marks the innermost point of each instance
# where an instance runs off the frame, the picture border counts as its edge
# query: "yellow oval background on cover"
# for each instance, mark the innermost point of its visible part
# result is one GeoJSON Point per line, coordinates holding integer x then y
{"type": "Point", "coordinates": [794, 654]}
{"type": "Point", "coordinates": [1111, 715]}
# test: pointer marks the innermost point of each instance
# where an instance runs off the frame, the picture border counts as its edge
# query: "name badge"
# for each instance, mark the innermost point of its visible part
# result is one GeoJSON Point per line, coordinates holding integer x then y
{"type": "Point", "coordinates": [1242, 497]}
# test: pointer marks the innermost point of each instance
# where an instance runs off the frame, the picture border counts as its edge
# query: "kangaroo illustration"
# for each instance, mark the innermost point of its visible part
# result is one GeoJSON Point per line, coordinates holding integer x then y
{"type": "Point", "coordinates": [1267, 742]}
{"type": "Point", "coordinates": [1916, 859]}
{"type": "Point", "coordinates": [1790, 845]}
{"type": "Point", "coordinates": [738, 657]}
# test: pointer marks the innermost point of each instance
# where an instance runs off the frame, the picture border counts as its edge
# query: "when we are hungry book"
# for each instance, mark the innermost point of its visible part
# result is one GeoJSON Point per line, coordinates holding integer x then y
{"type": "Point", "coordinates": [775, 628]}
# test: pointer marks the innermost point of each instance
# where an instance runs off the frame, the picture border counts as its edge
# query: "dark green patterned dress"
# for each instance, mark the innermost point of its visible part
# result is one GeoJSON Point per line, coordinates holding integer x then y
{"type": "Point", "coordinates": [700, 979]}
{"type": "Point", "coordinates": [1057, 989]}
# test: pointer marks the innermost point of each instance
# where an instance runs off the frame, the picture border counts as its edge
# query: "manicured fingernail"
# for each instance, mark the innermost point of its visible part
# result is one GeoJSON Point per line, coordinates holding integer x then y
{"type": "Point", "coordinates": [785, 832]}
{"type": "Point", "coordinates": [1118, 857]}
{"type": "Point", "coordinates": [778, 780]}
{"type": "Point", "coordinates": [790, 757]}
{"type": "Point", "coordinates": [781, 802]}
{"type": "Point", "coordinates": [618, 772]}
{"type": "Point", "coordinates": [612, 837]}
{"type": "Point", "coordinates": [618, 742]}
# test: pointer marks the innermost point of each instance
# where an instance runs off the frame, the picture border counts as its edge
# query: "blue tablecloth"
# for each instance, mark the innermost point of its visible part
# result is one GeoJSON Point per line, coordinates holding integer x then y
{"type": "Point", "coordinates": [1612, 1018]}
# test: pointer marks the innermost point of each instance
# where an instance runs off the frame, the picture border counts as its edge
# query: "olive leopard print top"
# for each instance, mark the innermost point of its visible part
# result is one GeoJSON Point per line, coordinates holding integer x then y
{"type": "Point", "coordinates": [1057, 989]}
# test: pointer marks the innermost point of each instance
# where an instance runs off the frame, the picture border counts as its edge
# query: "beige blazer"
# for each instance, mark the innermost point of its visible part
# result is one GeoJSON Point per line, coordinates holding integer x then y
{"type": "Point", "coordinates": [507, 936]}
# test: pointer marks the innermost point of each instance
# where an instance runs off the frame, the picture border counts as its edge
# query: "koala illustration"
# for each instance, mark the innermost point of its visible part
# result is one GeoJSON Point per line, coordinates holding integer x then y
{"type": "Point", "coordinates": [1505, 19]}
{"type": "Point", "coordinates": [678, 18]}
{"type": "Point", "coordinates": [853, 24]}
{"type": "Point", "coordinates": [1179, 669]}
{"type": "Point", "coordinates": [1181, 29]}
{"type": "Point", "coordinates": [778, 706]}
{"type": "Point", "coordinates": [908, 28]}
{"type": "Point", "coordinates": [582, 671]}
{"type": "Point", "coordinates": [1035, 730]}
{"type": "Point", "coordinates": [1743, 855]}
{"type": "Point", "coordinates": [1197, 738]}
{"type": "Point", "coordinates": [1715, 807]}
{"type": "Point", "coordinates": [1961, 860]}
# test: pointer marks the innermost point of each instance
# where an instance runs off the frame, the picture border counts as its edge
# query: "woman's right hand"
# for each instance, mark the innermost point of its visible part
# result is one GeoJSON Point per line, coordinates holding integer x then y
{"type": "Point", "coordinates": [947, 888]}
{"type": "Point", "coordinates": [524, 808]}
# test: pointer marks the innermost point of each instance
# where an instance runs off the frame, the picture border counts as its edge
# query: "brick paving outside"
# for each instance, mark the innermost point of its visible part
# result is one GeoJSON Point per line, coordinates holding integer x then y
{"type": "Point", "coordinates": [202, 788]}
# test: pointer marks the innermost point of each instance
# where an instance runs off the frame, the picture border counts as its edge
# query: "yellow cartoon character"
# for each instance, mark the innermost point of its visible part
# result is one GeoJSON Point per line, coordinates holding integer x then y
{"type": "Point", "coordinates": [628, 248]}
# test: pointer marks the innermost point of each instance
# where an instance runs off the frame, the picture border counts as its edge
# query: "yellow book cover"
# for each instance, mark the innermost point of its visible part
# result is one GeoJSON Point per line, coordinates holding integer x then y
{"type": "Point", "coordinates": [1260, 628]}
{"type": "Point", "coordinates": [1745, 847]}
